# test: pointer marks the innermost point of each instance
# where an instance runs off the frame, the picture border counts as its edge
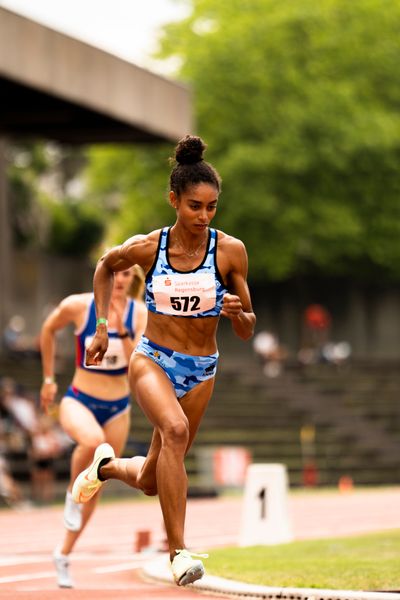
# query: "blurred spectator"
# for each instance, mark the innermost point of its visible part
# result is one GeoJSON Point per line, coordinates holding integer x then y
{"type": "Point", "coordinates": [10, 491]}
{"type": "Point", "coordinates": [270, 352]}
{"type": "Point", "coordinates": [16, 342]}
{"type": "Point", "coordinates": [336, 353]}
{"type": "Point", "coordinates": [46, 446]}
{"type": "Point", "coordinates": [316, 343]}
{"type": "Point", "coordinates": [20, 407]}
{"type": "Point", "coordinates": [317, 324]}
{"type": "Point", "coordinates": [27, 433]}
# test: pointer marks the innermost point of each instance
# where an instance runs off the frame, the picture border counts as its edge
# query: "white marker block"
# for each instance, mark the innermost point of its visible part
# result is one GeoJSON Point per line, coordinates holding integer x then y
{"type": "Point", "coordinates": [265, 517]}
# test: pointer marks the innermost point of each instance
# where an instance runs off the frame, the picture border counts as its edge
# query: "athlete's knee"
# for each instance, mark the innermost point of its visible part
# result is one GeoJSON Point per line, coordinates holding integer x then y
{"type": "Point", "coordinates": [150, 491]}
{"type": "Point", "coordinates": [94, 439]}
{"type": "Point", "coordinates": [176, 432]}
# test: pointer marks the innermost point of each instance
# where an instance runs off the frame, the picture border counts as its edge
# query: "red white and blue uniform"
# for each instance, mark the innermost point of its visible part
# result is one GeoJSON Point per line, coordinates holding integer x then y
{"type": "Point", "coordinates": [113, 363]}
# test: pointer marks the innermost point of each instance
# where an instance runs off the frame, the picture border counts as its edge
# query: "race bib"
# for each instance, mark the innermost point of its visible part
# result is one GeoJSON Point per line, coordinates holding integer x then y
{"type": "Point", "coordinates": [184, 294]}
{"type": "Point", "coordinates": [113, 359]}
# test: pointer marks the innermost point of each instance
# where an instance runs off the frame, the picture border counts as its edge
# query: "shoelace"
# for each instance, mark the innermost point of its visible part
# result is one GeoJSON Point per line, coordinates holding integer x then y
{"type": "Point", "coordinates": [191, 554]}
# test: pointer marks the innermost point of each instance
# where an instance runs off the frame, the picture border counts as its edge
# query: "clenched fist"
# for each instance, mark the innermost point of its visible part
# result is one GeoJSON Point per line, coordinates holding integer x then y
{"type": "Point", "coordinates": [98, 347]}
{"type": "Point", "coordinates": [231, 307]}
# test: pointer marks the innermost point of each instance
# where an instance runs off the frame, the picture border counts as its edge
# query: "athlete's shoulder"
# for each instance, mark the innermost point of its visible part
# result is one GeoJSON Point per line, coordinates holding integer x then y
{"type": "Point", "coordinates": [140, 249]}
{"type": "Point", "coordinates": [76, 303]}
{"type": "Point", "coordinates": [232, 254]}
{"type": "Point", "coordinates": [154, 235]}
{"type": "Point", "coordinates": [141, 242]}
{"type": "Point", "coordinates": [229, 242]}
{"type": "Point", "coordinates": [82, 299]}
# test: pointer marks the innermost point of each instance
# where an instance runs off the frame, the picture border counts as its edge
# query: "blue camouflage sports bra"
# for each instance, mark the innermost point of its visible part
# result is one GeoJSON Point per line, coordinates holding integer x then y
{"type": "Point", "coordinates": [196, 293]}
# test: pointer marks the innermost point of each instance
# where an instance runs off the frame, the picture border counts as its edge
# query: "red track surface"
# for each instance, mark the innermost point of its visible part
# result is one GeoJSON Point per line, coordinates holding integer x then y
{"type": "Point", "coordinates": [105, 566]}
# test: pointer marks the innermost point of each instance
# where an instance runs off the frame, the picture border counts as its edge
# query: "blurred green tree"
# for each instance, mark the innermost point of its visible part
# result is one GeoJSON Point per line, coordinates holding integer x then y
{"type": "Point", "coordinates": [131, 183]}
{"type": "Point", "coordinates": [298, 101]}
{"type": "Point", "coordinates": [26, 163]}
{"type": "Point", "coordinates": [44, 215]}
{"type": "Point", "coordinates": [74, 228]}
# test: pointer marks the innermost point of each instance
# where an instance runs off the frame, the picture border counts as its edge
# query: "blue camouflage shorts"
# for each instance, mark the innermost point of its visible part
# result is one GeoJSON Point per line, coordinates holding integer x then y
{"type": "Point", "coordinates": [184, 370]}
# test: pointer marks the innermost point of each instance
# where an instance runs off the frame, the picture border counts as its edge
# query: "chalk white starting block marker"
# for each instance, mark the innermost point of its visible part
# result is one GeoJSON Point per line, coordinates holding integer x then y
{"type": "Point", "coordinates": [265, 517]}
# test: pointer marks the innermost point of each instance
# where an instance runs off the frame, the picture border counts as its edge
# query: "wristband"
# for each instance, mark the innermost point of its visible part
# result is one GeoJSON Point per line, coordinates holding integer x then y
{"type": "Point", "coordinates": [49, 379]}
{"type": "Point", "coordinates": [102, 321]}
{"type": "Point", "coordinates": [123, 335]}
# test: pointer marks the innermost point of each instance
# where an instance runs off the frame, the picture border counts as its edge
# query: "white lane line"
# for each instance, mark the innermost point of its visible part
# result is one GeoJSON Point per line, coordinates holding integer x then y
{"type": "Point", "coordinates": [116, 568]}
{"type": "Point", "coordinates": [12, 561]}
{"type": "Point", "coordinates": [135, 561]}
{"type": "Point", "coordinates": [27, 577]}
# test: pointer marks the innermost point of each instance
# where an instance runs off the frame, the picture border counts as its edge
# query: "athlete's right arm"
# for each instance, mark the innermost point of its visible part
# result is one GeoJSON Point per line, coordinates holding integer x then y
{"type": "Point", "coordinates": [119, 258]}
{"type": "Point", "coordinates": [66, 312]}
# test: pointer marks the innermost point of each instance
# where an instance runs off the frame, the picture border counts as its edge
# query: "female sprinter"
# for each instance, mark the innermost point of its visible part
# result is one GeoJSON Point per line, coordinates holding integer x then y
{"type": "Point", "coordinates": [194, 274]}
{"type": "Point", "coordinates": [95, 408]}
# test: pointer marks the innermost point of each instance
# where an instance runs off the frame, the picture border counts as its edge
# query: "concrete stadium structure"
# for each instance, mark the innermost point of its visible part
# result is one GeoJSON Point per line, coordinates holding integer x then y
{"type": "Point", "coordinates": [58, 88]}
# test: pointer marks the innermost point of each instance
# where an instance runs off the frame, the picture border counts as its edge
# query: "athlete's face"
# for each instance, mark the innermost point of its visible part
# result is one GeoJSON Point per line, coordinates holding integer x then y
{"type": "Point", "coordinates": [196, 207]}
{"type": "Point", "coordinates": [122, 282]}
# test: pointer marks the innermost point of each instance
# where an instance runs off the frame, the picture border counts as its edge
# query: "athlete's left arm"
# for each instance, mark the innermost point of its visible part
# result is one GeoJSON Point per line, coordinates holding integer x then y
{"type": "Point", "coordinates": [237, 304]}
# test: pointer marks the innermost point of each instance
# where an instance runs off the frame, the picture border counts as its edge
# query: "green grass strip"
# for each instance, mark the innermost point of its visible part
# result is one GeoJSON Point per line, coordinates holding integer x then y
{"type": "Point", "coordinates": [367, 562]}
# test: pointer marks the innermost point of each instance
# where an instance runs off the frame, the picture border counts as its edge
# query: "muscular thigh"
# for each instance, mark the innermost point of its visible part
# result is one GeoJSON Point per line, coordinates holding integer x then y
{"type": "Point", "coordinates": [154, 392]}
{"type": "Point", "coordinates": [117, 430]}
{"type": "Point", "coordinates": [156, 396]}
{"type": "Point", "coordinates": [78, 421]}
{"type": "Point", "coordinates": [194, 405]}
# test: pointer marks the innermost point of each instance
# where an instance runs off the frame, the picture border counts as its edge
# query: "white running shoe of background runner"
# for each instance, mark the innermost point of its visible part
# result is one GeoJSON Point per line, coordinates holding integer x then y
{"type": "Point", "coordinates": [72, 513]}
{"type": "Point", "coordinates": [88, 483]}
{"type": "Point", "coordinates": [185, 569]}
{"type": "Point", "coordinates": [61, 563]}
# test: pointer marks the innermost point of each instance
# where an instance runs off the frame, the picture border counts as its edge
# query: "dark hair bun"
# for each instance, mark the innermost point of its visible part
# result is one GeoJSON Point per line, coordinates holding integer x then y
{"type": "Point", "coordinates": [189, 150]}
